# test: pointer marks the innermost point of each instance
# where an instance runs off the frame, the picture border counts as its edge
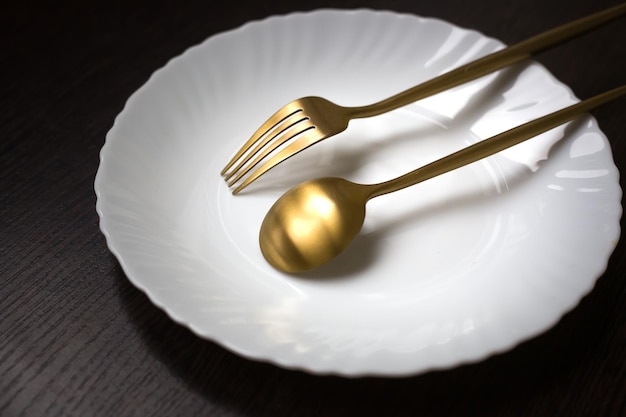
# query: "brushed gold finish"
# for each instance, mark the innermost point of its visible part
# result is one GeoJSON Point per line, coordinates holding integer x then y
{"type": "Point", "coordinates": [315, 221]}
{"type": "Point", "coordinates": [309, 120]}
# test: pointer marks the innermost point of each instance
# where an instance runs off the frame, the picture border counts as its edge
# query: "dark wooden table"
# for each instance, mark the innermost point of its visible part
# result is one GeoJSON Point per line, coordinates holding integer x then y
{"type": "Point", "coordinates": [77, 339]}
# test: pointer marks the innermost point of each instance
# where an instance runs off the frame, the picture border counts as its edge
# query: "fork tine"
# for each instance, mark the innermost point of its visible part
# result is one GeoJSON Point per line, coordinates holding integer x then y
{"type": "Point", "coordinates": [274, 120]}
{"type": "Point", "coordinates": [308, 138]}
{"type": "Point", "coordinates": [288, 134]}
{"type": "Point", "coordinates": [286, 129]}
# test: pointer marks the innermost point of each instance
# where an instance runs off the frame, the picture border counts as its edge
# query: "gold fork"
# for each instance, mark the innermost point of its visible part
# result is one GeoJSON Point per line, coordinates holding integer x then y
{"type": "Point", "coordinates": [309, 120]}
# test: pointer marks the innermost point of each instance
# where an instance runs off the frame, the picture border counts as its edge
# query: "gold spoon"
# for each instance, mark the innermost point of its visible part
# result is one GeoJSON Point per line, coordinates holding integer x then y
{"type": "Point", "coordinates": [315, 221]}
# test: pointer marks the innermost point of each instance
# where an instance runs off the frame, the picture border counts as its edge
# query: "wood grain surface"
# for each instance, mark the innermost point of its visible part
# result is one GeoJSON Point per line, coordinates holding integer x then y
{"type": "Point", "coordinates": [77, 339]}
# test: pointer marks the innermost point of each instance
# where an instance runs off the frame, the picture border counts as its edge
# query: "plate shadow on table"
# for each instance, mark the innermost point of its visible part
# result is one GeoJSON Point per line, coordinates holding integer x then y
{"type": "Point", "coordinates": [556, 362]}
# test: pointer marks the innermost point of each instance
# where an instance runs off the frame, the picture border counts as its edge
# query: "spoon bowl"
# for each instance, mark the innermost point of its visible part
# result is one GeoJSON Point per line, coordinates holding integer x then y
{"type": "Point", "coordinates": [312, 223]}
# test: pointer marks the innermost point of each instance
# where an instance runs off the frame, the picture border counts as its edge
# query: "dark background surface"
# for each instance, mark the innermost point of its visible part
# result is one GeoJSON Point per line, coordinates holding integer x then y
{"type": "Point", "coordinates": [77, 339]}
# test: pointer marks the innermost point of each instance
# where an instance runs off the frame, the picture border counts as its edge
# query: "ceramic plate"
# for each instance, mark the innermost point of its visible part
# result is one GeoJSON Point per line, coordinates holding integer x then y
{"type": "Point", "coordinates": [446, 272]}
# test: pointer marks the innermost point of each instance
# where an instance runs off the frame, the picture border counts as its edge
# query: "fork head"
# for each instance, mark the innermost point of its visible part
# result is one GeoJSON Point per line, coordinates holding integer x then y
{"type": "Point", "coordinates": [290, 130]}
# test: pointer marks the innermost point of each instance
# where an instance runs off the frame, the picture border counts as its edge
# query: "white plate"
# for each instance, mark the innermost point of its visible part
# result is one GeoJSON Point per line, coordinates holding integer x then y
{"type": "Point", "coordinates": [446, 272]}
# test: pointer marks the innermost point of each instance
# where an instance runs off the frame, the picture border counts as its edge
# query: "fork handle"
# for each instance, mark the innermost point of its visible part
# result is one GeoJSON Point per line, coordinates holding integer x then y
{"type": "Point", "coordinates": [490, 63]}
{"type": "Point", "coordinates": [494, 144]}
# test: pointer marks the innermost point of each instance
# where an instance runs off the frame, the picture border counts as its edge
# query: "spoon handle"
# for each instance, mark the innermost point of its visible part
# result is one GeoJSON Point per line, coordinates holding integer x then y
{"type": "Point", "coordinates": [493, 144]}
